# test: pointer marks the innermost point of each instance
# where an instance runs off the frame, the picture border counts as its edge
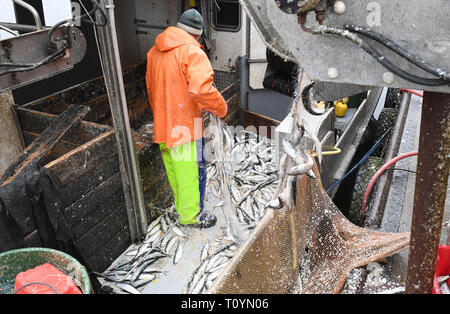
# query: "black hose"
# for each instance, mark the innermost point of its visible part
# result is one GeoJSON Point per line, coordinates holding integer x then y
{"type": "Point", "coordinates": [399, 72]}
{"type": "Point", "coordinates": [306, 100]}
{"type": "Point", "coordinates": [85, 18]}
{"type": "Point", "coordinates": [390, 44]}
{"type": "Point", "coordinates": [53, 45]}
{"type": "Point", "coordinates": [323, 29]}
{"type": "Point", "coordinates": [55, 55]}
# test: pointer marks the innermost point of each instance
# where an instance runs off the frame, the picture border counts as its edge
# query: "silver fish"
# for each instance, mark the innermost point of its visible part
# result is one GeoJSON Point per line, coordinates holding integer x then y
{"type": "Point", "coordinates": [196, 276]}
{"type": "Point", "coordinates": [155, 229]}
{"type": "Point", "coordinates": [199, 286]}
{"type": "Point", "coordinates": [155, 237]}
{"type": "Point", "coordinates": [205, 252]}
{"type": "Point", "coordinates": [170, 244]}
{"type": "Point", "coordinates": [178, 253]}
{"type": "Point", "coordinates": [153, 224]}
{"type": "Point", "coordinates": [147, 277]}
{"type": "Point", "coordinates": [178, 231]}
{"type": "Point", "coordinates": [163, 224]}
{"type": "Point", "coordinates": [164, 241]}
{"type": "Point", "coordinates": [131, 253]}
{"type": "Point", "coordinates": [150, 269]}
{"type": "Point", "coordinates": [128, 288]}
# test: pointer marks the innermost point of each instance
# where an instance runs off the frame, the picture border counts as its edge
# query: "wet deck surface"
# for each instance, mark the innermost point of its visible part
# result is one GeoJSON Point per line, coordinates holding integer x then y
{"type": "Point", "coordinates": [178, 275]}
{"type": "Point", "coordinates": [175, 277]}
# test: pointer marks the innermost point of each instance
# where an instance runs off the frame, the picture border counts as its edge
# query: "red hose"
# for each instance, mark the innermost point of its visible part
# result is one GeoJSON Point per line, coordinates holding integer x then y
{"type": "Point", "coordinates": [412, 92]}
{"type": "Point", "coordinates": [379, 173]}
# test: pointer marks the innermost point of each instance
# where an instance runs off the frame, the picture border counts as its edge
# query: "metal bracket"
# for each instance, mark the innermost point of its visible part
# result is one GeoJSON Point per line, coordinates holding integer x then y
{"type": "Point", "coordinates": [32, 48]}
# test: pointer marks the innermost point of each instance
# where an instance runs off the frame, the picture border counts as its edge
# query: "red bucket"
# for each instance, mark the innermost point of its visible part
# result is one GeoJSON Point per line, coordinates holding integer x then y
{"type": "Point", "coordinates": [442, 267]}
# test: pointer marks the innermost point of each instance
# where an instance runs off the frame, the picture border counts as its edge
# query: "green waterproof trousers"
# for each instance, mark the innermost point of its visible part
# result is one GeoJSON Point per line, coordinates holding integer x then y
{"type": "Point", "coordinates": [186, 171]}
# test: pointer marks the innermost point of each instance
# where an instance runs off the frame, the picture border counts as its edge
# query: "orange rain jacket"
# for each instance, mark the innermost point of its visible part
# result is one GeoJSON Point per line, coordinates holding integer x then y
{"type": "Point", "coordinates": [180, 85]}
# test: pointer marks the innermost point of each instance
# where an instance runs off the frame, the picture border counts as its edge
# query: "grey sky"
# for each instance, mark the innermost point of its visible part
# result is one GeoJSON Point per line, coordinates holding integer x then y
{"type": "Point", "coordinates": [54, 11]}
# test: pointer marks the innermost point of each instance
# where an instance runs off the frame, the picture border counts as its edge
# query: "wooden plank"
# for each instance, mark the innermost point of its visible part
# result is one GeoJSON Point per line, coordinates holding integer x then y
{"type": "Point", "coordinates": [45, 142]}
{"type": "Point", "coordinates": [29, 137]}
{"type": "Point", "coordinates": [61, 147]}
{"type": "Point", "coordinates": [140, 112]}
{"type": "Point", "coordinates": [252, 119]}
{"type": "Point", "coordinates": [84, 184]}
{"type": "Point", "coordinates": [147, 159]}
{"type": "Point", "coordinates": [91, 212]}
{"type": "Point", "coordinates": [96, 99]}
{"type": "Point", "coordinates": [158, 182]}
{"type": "Point", "coordinates": [133, 90]}
{"type": "Point", "coordinates": [163, 199]}
{"type": "Point", "coordinates": [89, 204]}
{"type": "Point", "coordinates": [95, 239]}
{"type": "Point", "coordinates": [77, 95]}
{"type": "Point", "coordinates": [148, 171]}
{"type": "Point", "coordinates": [84, 92]}
{"type": "Point", "coordinates": [76, 163]}
{"type": "Point", "coordinates": [33, 239]}
{"type": "Point", "coordinates": [94, 217]}
{"type": "Point", "coordinates": [36, 122]}
{"type": "Point", "coordinates": [110, 251]}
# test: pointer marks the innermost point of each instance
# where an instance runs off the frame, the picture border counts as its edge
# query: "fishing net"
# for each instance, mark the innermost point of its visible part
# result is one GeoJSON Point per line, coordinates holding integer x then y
{"type": "Point", "coordinates": [7, 286]}
{"type": "Point", "coordinates": [304, 246]}
{"type": "Point", "coordinates": [309, 249]}
{"type": "Point", "coordinates": [308, 245]}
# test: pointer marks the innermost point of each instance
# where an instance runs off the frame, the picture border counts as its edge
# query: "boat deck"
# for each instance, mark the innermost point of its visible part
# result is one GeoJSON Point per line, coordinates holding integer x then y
{"type": "Point", "coordinates": [175, 277]}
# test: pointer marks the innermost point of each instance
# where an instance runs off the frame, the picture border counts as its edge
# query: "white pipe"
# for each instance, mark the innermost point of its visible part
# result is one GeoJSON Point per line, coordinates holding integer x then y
{"type": "Point", "coordinates": [33, 11]}
{"type": "Point", "coordinates": [111, 20]}
{"type": "Point", "coordinates": [6, 29]}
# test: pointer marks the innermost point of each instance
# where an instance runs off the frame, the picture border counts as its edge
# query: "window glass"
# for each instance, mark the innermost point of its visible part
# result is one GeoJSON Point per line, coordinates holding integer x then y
{"type": "Point", "coordinates": [226, 15]}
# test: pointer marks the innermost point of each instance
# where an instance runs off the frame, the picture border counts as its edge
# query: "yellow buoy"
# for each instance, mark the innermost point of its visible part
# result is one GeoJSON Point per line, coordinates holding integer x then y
{"type": "Point", "coordinates": [340, 109]}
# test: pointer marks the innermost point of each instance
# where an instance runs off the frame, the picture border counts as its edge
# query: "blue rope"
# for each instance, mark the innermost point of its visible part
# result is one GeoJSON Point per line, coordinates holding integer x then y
{"type": "Point", "coordinates": [359, 162]}
{"type": "Point", "coordinates": [37, 283]}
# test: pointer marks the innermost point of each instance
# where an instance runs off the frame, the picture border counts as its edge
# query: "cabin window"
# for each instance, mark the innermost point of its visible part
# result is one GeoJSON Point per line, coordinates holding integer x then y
{"type": "Point", "coordinates": [226, 15]}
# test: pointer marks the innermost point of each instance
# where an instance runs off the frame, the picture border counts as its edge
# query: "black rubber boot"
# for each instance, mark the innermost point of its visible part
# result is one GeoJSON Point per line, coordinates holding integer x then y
{"type": "Point", "coordinates": [206, 221]}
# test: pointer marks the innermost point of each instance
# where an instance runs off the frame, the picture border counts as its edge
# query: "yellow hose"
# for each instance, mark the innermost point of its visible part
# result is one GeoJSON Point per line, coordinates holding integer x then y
{"type": "Point", "coordinates": [335, 151]}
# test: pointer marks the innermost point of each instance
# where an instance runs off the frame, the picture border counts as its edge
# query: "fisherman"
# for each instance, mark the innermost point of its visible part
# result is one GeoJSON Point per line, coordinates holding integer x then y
{"type": "Point", "coordinates": [180, 86]}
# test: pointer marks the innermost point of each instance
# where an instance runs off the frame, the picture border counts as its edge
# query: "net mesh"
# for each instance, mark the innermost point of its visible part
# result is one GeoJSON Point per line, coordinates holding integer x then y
{"type": "Point", "coordinates": [309, 249]}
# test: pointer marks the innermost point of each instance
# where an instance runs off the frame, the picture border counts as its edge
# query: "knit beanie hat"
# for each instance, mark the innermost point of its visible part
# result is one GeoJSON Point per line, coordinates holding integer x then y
{"type": "Point", "coordinates": [191, 21]}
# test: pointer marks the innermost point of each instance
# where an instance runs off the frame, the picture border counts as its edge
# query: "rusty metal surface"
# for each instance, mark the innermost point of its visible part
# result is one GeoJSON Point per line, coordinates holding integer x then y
{"type": "Point", "coordinates": [273, 259]}
{"type": "Point", "coordinates": [430, 192]}
{"type": "Point", "coordinates": [33, 48]}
